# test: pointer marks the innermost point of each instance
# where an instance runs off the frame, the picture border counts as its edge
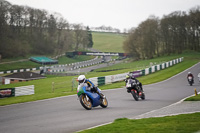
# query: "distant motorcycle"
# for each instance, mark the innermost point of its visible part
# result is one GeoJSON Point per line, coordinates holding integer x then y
{"type": "Point", "coordinates": [134, 88]}
{"type": "Point", "coordinates": [90, 99]}
{"type": "Point", "coordinates": [199, 77]}
{"type": "Point", "coordinates": [190, 80]}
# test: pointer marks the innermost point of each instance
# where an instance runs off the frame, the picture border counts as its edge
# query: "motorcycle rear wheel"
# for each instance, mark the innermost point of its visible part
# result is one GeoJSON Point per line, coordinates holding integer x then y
{"type": "Point", "coordinates": [85, 102]}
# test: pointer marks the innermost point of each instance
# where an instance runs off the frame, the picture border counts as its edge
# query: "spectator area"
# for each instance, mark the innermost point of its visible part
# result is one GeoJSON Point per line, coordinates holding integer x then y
{"type": "Point", "coordinates": [43, 60]}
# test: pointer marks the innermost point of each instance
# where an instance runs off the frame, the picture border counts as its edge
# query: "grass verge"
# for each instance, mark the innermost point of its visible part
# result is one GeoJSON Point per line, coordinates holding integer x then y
{"type": "Point", "coordinates": [193, 98]}
{"type": "Point", "coordinates": [185, 123]}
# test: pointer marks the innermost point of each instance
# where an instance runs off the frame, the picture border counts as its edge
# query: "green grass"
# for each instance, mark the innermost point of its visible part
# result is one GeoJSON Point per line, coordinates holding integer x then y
{"type": "Point", "coordinates": [108, 42]}
{"type": "Point", "coordinates": [193, 98]}
{"type": "Point", "coordinates": [18, 65]}
{"type": "Point", "coordinates": [185, 123]}
{"type": "Point", "coordinates": [66, 60]}
{"type": "Point", "coordinates": [43, 87]}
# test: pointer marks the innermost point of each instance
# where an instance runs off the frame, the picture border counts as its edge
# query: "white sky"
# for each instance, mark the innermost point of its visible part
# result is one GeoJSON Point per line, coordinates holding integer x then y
{"type": "Point", "coordinates": [121, 14]}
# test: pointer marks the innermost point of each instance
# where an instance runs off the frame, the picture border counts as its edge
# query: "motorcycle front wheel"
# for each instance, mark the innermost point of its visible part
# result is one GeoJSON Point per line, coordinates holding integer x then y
{"type": "Point", "coordinates": [135, 95]}
{"type": "Point", "coordinates": [143, 96]}
{"type": "Point", "coordinates": [104, 103]}
{"type": "Point", "coordinates": [85, 102]}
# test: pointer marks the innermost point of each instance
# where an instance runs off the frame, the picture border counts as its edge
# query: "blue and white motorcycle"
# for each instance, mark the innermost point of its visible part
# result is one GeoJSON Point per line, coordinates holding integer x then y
{"type": "Point", "coordinates": [90, 99]}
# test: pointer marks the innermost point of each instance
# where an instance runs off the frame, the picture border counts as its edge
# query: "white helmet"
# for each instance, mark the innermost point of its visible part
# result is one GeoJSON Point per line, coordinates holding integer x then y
{"type": "Point", "coordinates": [81, 78]}
{"type": "Point", "coordinates": [189, 72]}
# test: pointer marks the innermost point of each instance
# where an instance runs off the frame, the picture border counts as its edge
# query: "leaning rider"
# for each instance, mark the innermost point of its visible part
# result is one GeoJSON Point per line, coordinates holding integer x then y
{"type": "Point", "coordinates": [131, 76]}
{"type": "Point", "coordinates": [91, 86]}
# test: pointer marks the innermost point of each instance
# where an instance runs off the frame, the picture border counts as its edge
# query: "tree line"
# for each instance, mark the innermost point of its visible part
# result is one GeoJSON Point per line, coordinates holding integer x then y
{"type": "Point", "coordinates": [29, 31]}
{"type": "Point", "coordinates": [104, 28]}
{"type": "Point", "coordinates": [173, 33]}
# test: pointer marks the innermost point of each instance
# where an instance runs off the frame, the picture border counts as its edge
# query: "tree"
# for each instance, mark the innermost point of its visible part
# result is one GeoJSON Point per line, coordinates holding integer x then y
{"type": "Point", "coordinates": [80, 36]}
{"type": "Point", "coordinates": [90, 40]}
{"type": "Point", "coordinates": [174, 33]}
{"type": "Point", "coordinates": [145, 39]}
{"type": "Point", "coordinates": [4, 27]}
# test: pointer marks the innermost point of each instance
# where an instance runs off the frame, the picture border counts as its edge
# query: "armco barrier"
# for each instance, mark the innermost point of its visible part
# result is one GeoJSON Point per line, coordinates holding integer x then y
{"type": "Point", "coordinates": [24, 90]}
{"type": "Point", "coordinates": [160, 66]}
{"type": "Point", "coordinates": [94, 80]}
{"type": "Point", "coordinates": [7, 92]}
{"type": "Point", "coordinates": [17, 91]}
{"type": "Point", "coordinates": [101, 80]}
{"type": "Point", "coordinates": [120, 77]}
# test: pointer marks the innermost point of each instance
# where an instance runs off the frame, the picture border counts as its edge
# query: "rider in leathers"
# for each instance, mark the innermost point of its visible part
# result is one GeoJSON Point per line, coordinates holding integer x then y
{"type": "Point", "coordinates": [91, 86]}
{"type": "Point", "coordinates": [130, 76]}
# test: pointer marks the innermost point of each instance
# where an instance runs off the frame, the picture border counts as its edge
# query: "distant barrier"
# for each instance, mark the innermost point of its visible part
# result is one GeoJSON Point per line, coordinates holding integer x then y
{"type": "Point", "coordinates": [48, 69]}
{"type": "Point", "coordinates": [72, 54]}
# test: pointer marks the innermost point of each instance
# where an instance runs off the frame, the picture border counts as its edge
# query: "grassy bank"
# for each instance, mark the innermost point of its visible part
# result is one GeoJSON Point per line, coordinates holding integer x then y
{"type": "Point", "coordinates": [185, 123]}
{"type": "Point", "coordinates": [108, 42]}
{"type": "Point", "coordinates": [43, 87]}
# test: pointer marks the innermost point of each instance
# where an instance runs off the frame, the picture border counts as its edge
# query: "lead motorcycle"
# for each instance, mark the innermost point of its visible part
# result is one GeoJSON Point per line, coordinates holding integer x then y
{"type": "Point", "coordinates": [134, 88]}
{"type": "Point", "coordinates": [90, 99]}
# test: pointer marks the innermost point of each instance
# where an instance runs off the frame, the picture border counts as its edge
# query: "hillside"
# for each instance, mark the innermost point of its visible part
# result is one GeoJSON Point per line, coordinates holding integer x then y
{"type": "Point", "coordinates": [108, 42]}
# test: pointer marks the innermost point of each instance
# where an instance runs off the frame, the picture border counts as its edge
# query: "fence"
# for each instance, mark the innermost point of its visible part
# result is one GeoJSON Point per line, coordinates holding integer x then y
{"type": "Point", "coordinates": [74, 83]}
{"type": "Point", "coordinates": [62, 85]}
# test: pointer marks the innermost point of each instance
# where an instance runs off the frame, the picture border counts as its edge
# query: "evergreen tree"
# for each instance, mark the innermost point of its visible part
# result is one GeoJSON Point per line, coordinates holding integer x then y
{"type": "Point", "coordinates": [90, 41]}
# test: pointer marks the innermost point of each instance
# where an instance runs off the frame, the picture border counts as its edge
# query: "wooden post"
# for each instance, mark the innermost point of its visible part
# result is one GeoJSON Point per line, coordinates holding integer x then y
{"type": "Point", "coordinates": [195, 91]}
{"type": "Point", "coordinates": [53, 87]}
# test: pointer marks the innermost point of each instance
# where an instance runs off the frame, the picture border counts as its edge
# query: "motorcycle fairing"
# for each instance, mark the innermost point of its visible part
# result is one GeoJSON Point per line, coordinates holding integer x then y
{"type": "Point", "coordinates": [95, 98]}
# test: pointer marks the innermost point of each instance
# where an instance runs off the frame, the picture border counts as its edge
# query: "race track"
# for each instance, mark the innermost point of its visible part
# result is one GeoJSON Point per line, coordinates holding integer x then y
{"type": "Point", "coordinates": [65, 114]}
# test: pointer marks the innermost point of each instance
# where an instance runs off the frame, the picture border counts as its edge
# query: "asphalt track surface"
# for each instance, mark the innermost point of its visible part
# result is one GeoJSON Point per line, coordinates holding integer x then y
{"type": "Point", "coordinates": [65, 114]}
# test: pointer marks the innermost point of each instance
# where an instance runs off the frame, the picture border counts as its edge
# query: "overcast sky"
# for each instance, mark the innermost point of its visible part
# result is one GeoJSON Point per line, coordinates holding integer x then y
{"type": "Point", "coordinates": [121, 14]}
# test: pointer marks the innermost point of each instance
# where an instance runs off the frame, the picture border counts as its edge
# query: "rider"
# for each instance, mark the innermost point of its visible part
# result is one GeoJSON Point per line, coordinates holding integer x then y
{"type": "Point", "coordinates": [198, 76]}
{"type": "Point", "coordinates": [190, 75]}
{"type": "Point", "coordinates": [91, 86]}
{"type": "Point", "coordinates": [130, 76]}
